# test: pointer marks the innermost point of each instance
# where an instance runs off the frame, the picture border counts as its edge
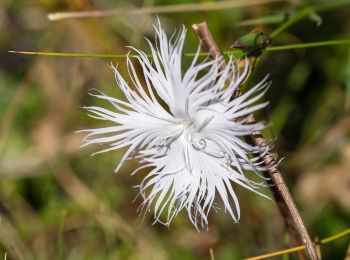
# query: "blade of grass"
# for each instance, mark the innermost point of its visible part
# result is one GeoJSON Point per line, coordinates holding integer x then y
{"type": "Point", "coordinates": [300, 15]}
{"type": "Point", "coordinates": [65, 54]}
{"type": "Point", "coordinates": [306, 11]}
{"type": "Point", "coordinates": [299, 248]}
{"type": "Point", "coordinates": [212, 256]}
{"type": "Point", "coordinates": [188, 54]}
{"type": "Point", "coordinates": [347, 83]}
{"type": "Point", "coordinates": [60, 240]}
{"type": "Point", "coordinates": [308, 45]}
{"type": "Point", "coordinates": [285, 16]}
{"type": "Point", "coordinates": [269, 19]}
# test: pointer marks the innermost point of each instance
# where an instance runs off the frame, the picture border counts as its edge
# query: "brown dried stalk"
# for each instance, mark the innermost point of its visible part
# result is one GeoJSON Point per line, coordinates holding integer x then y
{"type": "Point", "coordinates": [282, 196]}
{"type": "Point", "coordinates": [174, 8]}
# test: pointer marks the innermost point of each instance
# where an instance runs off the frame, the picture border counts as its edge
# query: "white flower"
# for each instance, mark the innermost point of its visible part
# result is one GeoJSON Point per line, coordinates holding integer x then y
{"type": "Point", "coordinates": [186, 128]}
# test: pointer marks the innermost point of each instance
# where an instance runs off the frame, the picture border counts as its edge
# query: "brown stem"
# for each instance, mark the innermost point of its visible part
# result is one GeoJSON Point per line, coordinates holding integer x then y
{"type": "Point", "coordinates": [282, 196]}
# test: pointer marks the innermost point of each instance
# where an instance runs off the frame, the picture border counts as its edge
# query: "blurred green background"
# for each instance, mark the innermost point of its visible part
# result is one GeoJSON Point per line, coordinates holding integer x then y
{"type": "Point", "coordinates": [58, 202]}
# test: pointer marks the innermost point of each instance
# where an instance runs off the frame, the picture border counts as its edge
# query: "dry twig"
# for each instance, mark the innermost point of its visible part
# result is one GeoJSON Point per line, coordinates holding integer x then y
{"type": "Point", "coordinates": [282, 196]}
{"type": "Point", "coordinates": [174, 8]}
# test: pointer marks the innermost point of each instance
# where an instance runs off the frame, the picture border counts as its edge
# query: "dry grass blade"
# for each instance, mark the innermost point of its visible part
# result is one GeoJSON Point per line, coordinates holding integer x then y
{"type": "Point", "coordinates": [347, 254]}
{"type": "Point", "coordinates": [212, 256]}
{"type": "Point", "coordinates": [12, 241]}
{"type": "Point", "coordinates": [298, 248]}
{"type": "Point", "coordinates": [86, 199]}
{"type": "Point", "coordinates": [178, 8]}
{"type": "Point", "coordinates": [12, 109]}
{"type": "Point", "coordinates": [104, 214]}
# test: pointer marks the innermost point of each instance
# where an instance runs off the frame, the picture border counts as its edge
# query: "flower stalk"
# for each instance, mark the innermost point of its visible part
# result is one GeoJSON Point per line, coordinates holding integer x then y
{"type": "Point", "coordinates": [283, 198]}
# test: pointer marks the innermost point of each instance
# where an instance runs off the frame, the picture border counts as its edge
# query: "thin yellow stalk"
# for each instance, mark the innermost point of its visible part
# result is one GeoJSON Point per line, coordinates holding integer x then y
{"type": "Point", "coordinates": [299, 248]}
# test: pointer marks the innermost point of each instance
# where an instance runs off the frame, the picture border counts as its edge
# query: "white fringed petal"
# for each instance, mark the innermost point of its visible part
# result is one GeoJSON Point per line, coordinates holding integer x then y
{"type": "Point", "coordinates": [193, 146]}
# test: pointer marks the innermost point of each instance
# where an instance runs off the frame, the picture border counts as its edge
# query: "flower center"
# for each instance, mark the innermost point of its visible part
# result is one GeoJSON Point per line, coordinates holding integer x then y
{"type": "Point", "coordinates": [191, 133]}
{"type": "Point", "coordinates": [188, 126]}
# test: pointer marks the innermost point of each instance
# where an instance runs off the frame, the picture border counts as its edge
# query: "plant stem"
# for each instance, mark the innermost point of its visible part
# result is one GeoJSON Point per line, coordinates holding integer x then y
{"type": "Point", "coordinates": [306, 11]}
{"type": "Point", "coordinates": [175, 8]}
{"type": "Point", "coordinates": [298, 248]}
{"type": "Point", "coordinates": [64, 54]}
{"type": "Point", "coordinates": [187, 54]}
{"type": "Point", "coordinates": [280, 190]}
{"type": "Point", "coordinates": [300, 15]}
{"type": "Point", "coordinates": [307, 45]}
